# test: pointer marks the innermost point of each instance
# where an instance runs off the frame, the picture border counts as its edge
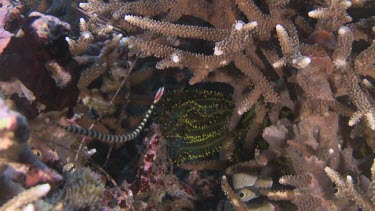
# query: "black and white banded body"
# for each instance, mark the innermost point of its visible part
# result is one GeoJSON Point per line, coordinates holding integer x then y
{"type": "Point", "coordinates": [114, 139]}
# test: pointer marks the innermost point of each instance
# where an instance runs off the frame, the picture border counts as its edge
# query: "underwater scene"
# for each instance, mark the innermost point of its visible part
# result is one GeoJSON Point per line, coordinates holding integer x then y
{"type": "Point", "coordinates": [203, 105]}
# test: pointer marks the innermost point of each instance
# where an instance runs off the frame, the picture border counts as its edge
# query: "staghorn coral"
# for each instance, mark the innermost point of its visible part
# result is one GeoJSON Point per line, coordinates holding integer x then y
{"type": "Point", "coordinates": [333, 16]}
{"type": "Point", "coordinates": [290, 49]}
{"type": "Point", "coordinates": [358, 97]}
{"type": "Point", "coordinates": [208, 12]}
{"type": "Point", "coordinates": [311, 66]}
{"type": "Point", "coordinates": [225, 51]}
{"type": "Point", "coordinates": [300, 72]}
{"type": "Point", "coordinates": [27, 197]}
{"type": "Point", "coordinates": [347, 188]}
{"type": "Point", "coordinates": [235, 200]}
{"type": "Point", "coordinates": [278, 13]}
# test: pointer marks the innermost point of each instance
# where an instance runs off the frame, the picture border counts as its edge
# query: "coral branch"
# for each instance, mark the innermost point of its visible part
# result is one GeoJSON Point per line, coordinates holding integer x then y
{"type": "Point", "coordinates": [347, 188]}
{"type": "Point", "coordinates": [333, 16]}
{"type": "Point", "coordinates": [185, 31]}
{"type": "Point", "coordinates": [26, 197]}
{"type": "Point", "coordinates": [234, 199]}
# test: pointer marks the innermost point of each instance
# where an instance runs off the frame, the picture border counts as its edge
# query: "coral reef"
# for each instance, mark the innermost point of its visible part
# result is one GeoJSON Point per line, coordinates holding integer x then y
{"type": "Point", "coordinates": [268, 105]}
{"type": "Point", "coordinates": [84, 188]}
{"type": "Point", "coordinates": [19, 167]}
{"type": "Point", "coordinates": [45, 68]}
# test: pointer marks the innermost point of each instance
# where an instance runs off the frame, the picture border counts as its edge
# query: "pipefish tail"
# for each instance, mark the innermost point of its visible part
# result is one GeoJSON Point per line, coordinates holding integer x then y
{"type": "Point", "coordinates": [109, 138]}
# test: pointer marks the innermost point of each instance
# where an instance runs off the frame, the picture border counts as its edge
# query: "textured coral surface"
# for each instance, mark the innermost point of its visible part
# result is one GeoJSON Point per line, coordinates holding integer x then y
{"type": "Point", "coordinates": [187, 105]}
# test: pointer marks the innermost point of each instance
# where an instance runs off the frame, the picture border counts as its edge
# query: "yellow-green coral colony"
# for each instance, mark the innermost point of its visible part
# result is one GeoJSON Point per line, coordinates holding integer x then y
{"type": "Point", "coordinates": [194, 122]}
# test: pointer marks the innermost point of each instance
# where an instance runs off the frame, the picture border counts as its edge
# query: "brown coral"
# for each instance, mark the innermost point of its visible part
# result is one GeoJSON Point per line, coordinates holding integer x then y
{"type": "Point", "coordinates": [297, 71]}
